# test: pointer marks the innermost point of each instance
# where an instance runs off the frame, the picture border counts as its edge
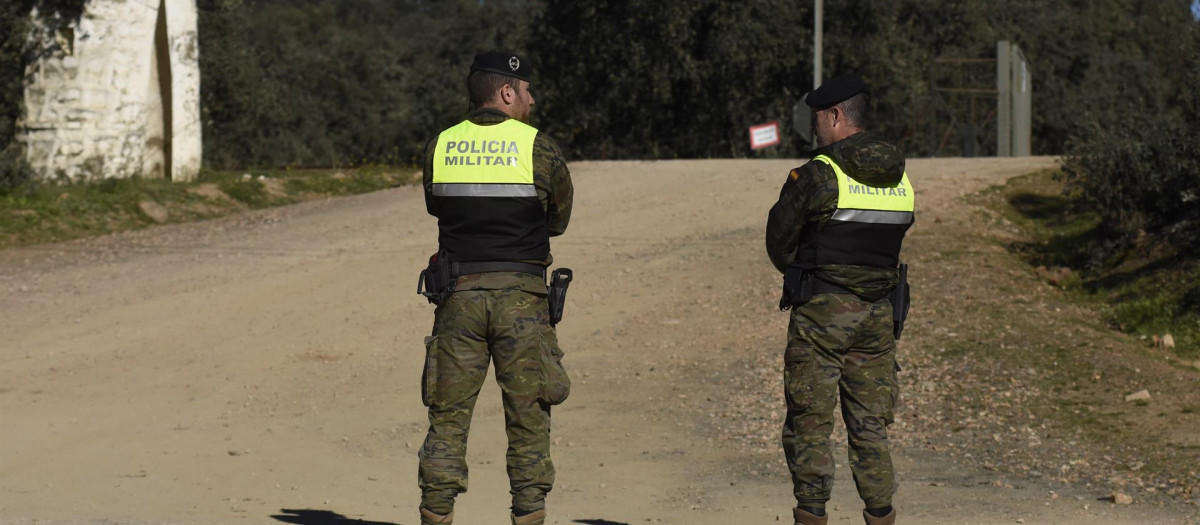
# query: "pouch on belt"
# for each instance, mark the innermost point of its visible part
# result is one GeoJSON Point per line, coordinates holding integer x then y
{"type": "Point", "coordinates": [900, 302]}
{"type": "Point", "coordinates": [437, 279]}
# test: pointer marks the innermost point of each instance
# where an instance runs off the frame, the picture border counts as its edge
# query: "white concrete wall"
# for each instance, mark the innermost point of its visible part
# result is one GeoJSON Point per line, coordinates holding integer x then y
{"type": "Point", "coordinates": [96, 112]}
{"type": "Point", "coordinates": [185, 88]}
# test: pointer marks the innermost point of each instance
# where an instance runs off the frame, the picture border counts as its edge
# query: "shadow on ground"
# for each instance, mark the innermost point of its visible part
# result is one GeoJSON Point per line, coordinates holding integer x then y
{"type": "Point", "coordinates": [321, 517]}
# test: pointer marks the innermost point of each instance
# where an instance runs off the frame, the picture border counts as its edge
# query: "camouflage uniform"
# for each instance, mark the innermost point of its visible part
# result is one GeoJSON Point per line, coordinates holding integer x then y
{"type": "Point", "coordinates": [504, 317]}
{"type": "Point", "coordinates": [838, 343]}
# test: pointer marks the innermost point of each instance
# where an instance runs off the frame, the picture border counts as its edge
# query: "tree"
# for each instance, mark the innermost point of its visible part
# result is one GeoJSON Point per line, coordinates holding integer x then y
{"type": "Point", "coordinates": [683, 79]}
{"type": "Point", "coordinates": [339, 82]}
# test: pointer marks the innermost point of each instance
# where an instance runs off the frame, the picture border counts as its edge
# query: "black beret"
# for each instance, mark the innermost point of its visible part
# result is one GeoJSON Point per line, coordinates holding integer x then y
{"type": "Point", "coordinates": [507, 64]}
{"type": "Point", "coordinates": [835, 91]}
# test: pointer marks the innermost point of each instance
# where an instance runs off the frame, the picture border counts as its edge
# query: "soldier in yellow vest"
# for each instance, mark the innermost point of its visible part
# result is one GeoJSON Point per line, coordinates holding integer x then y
{"type": "Point", "coordinates": [499, 189]}
{"type": "Point", "coordinates": [836, 233]}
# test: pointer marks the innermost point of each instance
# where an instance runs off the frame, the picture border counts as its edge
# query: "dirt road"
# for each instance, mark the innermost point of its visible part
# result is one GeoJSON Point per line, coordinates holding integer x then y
{"type": "Point", "coordinates": [264, 368]}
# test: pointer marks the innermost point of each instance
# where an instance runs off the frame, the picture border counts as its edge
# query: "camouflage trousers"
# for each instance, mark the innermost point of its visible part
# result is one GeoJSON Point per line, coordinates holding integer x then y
{"type": "Point", "coordinates": [511, 328]}
{"type": "Point", "coordinates": [840, 346]}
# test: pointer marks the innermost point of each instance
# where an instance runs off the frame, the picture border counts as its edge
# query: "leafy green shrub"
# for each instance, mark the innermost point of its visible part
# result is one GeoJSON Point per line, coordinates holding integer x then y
{"type": "Point", "coordinates": [329, 83]}
{"type": "Point", "coordinates": [1139, 166]}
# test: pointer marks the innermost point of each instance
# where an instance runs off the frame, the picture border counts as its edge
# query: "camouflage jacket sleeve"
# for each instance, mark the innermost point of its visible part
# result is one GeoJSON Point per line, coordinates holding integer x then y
{"type": "Point", "coordinates": [553, 182]}
{"type": "Point", "coordinates": [808, 195]}
{"type": "Point", "coordinates": [427, 177]}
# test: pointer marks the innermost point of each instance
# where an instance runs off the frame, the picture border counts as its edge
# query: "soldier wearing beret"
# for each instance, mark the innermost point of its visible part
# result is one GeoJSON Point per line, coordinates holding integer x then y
{"type": "Point", "coordinates": [836, 233]}
{"type": "Point", "coordinates": [500, 190]}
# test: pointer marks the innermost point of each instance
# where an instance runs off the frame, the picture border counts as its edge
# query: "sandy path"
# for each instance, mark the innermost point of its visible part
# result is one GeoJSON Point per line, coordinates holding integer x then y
{"type": "Point", "coordinates": [221, 372]}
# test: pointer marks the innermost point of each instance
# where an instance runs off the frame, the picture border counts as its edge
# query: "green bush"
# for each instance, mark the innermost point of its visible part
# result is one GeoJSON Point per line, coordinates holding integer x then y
{"type": "Point", "coordinates": [335, 83]}
{"type": "Point", "coordinates": [1138, 166]}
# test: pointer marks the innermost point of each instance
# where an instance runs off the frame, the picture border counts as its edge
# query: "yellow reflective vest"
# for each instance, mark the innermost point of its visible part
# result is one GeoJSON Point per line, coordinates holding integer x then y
{"type": "Point", "coordinates": [487, 203]}
{"type": "Point", "coordinates": [866, 229]}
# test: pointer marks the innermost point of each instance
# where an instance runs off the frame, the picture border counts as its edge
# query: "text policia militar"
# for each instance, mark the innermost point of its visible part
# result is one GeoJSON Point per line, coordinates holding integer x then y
{"type": "Point", "coordinates": [481, 153]}
{"type": "Point", "coordinates": [862, 189]}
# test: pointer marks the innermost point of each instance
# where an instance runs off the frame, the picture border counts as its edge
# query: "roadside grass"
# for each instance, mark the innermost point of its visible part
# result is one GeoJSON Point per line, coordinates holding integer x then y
{"type": "Point", "coordinates": [1147, 289]}
{"type": "Point", "coordinates": [40, 212]}
{"type": "Point", "coordinates": [1055, 360]}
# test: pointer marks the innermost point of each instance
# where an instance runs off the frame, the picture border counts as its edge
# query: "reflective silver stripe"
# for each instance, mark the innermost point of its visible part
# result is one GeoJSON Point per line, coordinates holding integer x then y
{"type": "Point", "coordinates": [484, 190]}
{"type": "Point", "coordinates": [873, 216]}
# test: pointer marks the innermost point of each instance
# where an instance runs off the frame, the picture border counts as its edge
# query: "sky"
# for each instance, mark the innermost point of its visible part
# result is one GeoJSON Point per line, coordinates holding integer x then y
{"type": "Point", "coordinates": [1196, 9]}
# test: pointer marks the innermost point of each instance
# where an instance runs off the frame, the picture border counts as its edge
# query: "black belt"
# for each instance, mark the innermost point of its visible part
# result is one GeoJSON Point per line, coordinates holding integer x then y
{"type": "Point", "coordinates": [822, 286]}
{"type": "Point", "coordinates": [464, 268]}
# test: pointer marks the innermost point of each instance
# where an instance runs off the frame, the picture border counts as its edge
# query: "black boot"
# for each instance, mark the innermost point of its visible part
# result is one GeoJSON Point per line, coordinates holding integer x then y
{"type": "Point", "coordinates": [809, 516]}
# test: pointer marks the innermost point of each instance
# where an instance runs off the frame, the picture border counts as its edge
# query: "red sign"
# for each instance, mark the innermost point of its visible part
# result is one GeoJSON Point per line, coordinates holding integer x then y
{"type": "Point", "coordinates": [764, 135]}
